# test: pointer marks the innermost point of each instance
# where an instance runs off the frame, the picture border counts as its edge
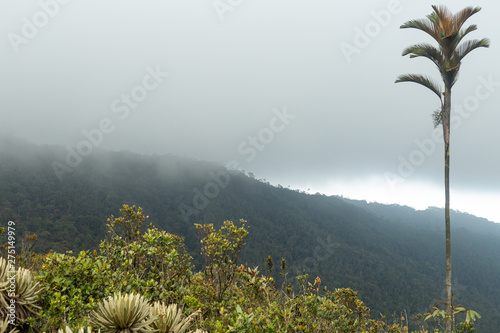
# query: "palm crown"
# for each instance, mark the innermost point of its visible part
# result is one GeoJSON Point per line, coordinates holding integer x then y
{"type": "Point", "coordinates": [446, 29]}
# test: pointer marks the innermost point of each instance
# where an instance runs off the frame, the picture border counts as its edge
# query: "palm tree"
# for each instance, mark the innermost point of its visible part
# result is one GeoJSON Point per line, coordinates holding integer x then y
{"type": "Point", "coordinates": [446, 29]}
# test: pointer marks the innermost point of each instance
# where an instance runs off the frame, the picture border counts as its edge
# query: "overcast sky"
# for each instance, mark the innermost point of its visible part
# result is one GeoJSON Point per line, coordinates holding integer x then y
{"type": "Point", "coordinates": [300, 93]}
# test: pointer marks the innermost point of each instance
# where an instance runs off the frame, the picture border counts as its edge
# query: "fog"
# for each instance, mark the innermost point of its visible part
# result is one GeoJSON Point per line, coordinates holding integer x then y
{"type": "Point", "coordinates": [302, 94]}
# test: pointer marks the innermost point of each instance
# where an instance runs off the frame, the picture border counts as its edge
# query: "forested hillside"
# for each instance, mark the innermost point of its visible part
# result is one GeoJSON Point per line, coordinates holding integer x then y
{"type": "Point", "coordinates": [394, 256]}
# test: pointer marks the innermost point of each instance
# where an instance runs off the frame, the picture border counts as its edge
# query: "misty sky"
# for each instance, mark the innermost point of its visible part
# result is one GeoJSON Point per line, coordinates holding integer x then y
{"type": "Point", "coordinates": [301, 93]}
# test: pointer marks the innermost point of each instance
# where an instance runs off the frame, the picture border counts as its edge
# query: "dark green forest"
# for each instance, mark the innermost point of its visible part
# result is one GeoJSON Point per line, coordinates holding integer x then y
{"type": "Point", "coordinates": [392, 255]}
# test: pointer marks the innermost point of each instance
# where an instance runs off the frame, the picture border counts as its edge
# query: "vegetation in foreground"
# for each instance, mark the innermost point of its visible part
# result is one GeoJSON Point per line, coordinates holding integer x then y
{"type": "Point", "coordinates": [392, 256]}
{"type": "Point", "coordinates": [143, 281]}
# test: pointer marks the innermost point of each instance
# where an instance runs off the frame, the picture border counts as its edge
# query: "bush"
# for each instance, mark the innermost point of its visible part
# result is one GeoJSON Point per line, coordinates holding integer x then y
{"type": "Point", "coordinates": [72, 287]}
{"type": "Point", "coordinates": [144, 272]}
{"type": "Point", "coordinates": [154, 264]}
{"type": "Point", "coordinates": [221, 250]}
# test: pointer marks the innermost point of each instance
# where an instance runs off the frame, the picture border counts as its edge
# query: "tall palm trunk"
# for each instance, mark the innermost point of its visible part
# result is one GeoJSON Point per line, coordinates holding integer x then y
{"type": "Point", "coordinates": [446, 135]}
{"type": "Point", "coordinates": [446, 29]}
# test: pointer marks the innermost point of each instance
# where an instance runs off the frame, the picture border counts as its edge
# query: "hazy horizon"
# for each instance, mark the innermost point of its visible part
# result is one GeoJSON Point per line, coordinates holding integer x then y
{"type": "Point", "coordinates": [300, 94]}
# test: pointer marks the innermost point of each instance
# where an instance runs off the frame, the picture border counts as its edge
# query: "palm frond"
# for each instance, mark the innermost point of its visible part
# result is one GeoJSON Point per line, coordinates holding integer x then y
{"type": "Point", "coordinates": [450, 26]}
{"type": "Point", "coordinates": [423, 80]}
{"type": "Point", "coordinates": [445, 20]}
{"type": "Point", "coordinates": [469, 46]}
{"type": "Point", "coordinates": [428, 51]}
{"type": "Point", "coordinates": [460, 17]}
{"type": "Point", "coordinates": [462, 33]}
{"type": "Point", "coordinates": [424, 25]}
{"type": "Point", "coordinates": [446, 28]}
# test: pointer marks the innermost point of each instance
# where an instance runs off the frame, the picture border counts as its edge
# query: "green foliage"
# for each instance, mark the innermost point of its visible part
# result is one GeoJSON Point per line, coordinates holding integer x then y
{"type": "Point", "coordinates": [154, 264]}
{"type": "Point", "coordinates": [257, 306]}
{"type": "Point", "coordinates": [465, 327]}
{"type": "Point", "coordinates": [221, 250]}
{"type": "Point", "coordinates": [392, 254]}
{"type": "Point", "coordinates": [439, 316]}
{"type": "Point", "coordinates": [127, 228]}
{"type": "Point", "coordinates": [72, 287]}
{"type": "Point", "coordinates": [224, 297]}
{"type": "Point", "coordinates": [124, 314]}
{"type": "Point", "coordinates": [243, 321]}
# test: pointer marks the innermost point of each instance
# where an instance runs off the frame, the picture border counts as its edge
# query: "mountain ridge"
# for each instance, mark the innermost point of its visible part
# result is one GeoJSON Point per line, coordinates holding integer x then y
{"type": "Point", "coordinates": [394, 255]}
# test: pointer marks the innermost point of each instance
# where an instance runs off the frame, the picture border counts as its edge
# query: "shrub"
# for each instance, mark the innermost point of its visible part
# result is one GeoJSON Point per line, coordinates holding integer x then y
{"type": "Point", "coordinates": [154, 264]}
{"type": "Point", "coordinates": [221, 250]}
{"type": "Point", "coordinates": [72, 287]}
